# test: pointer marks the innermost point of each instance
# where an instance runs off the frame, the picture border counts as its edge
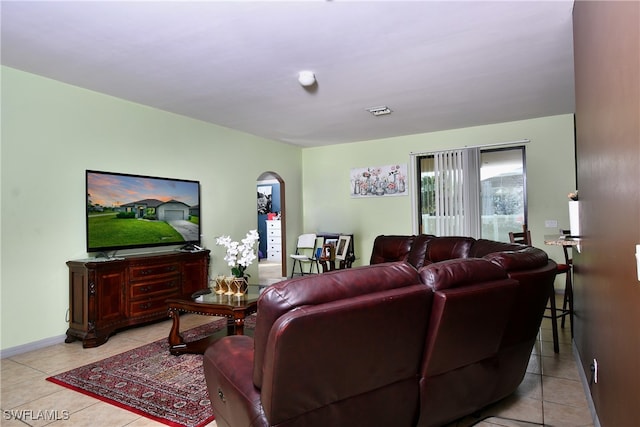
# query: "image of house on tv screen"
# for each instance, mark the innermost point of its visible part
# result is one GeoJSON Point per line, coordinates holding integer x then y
{"type": "Point", "coordinates": [133, 211]}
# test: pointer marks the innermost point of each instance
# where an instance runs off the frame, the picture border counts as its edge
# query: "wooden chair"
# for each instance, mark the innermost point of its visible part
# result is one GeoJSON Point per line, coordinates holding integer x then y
{"type": "Point", "coordinates": [523, 237]}
{"type": "Point", "coordinates": [305, 254]}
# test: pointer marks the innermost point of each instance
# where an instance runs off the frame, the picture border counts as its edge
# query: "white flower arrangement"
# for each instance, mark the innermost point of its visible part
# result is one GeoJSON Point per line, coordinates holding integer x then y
{"type": "Point", "coordinates": [241, 254]}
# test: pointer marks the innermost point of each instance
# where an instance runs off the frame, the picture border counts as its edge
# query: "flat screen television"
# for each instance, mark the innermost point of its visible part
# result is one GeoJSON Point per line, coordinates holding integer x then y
{"type": "Point", "coordinates": [135, 211]}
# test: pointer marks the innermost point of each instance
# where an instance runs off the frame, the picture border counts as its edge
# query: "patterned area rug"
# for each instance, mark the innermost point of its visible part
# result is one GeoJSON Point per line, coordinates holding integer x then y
{"type": "Point", "coordinates": [151, 382]}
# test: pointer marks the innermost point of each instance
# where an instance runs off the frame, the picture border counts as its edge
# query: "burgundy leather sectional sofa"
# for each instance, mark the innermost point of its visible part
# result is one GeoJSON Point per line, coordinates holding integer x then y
{"type": "Point", "coordinates": [434, 329]}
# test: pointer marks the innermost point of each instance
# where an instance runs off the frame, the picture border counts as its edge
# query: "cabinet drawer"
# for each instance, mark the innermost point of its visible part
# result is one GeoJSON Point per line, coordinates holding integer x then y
{"type": "Point", "coordinates": [143, 271]}
{"type": "Point", "coordinates": [143, 307]}
{"type": "Point", "coordinates": [274, 256]}
{"type": "Point", "coordinates": [150, 288]}
{"type": "Point", "coordinates": [273, 232]}
{"type": "Point", "coordinates": [273, 225]}
{"type": "Point", "coordinates": [274, 241]}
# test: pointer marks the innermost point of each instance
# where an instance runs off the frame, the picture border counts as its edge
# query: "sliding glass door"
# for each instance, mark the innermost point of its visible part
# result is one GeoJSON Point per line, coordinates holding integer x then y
{"type": "Point", "coordinates": [492, 195]}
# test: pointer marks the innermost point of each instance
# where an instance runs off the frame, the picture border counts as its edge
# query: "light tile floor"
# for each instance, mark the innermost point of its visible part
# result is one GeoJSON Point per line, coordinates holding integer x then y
{"type": "Point", "coordinates": [550, 395]}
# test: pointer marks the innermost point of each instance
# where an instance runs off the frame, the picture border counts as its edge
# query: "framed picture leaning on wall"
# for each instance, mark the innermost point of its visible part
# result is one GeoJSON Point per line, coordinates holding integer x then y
{"type": "Point", "coordinates": [342, 247]}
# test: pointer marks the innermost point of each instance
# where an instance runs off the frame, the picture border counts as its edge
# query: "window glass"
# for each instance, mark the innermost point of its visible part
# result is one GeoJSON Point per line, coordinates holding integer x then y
{"type": "Point", "coordinates": [502, 193]}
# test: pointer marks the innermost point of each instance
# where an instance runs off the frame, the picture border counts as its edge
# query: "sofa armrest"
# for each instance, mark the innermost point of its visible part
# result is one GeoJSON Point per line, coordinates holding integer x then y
{"type": "Point", "coordinates": [228, 371]}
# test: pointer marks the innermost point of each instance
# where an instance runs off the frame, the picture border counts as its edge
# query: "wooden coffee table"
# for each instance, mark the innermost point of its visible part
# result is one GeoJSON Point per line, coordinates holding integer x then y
{"type": "Point", "coordinates": [235, 309]}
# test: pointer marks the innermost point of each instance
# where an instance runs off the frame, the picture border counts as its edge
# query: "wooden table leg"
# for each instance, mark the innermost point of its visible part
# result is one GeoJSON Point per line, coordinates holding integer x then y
{"type": "Point", "coordinates": [231, 326]}
{"type": "Point", "coordinates": [176, 341]}
{"type": "Point", "coordinates": [239, 329]}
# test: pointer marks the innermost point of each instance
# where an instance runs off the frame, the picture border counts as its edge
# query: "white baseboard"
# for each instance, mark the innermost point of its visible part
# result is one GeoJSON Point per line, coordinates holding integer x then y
{"type": "Point", "coordinates": [35, 345]}
{"type": "Point", "coordinates": [584, 378]}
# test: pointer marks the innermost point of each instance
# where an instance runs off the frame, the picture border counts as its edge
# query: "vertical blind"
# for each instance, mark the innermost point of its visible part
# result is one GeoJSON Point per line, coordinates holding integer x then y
{"type": "Point", "coordinates": [457, 205]}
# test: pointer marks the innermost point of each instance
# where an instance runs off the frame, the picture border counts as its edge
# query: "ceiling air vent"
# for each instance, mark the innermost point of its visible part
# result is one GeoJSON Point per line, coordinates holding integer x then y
{"type": "Point", "coordinates": [383, 110]}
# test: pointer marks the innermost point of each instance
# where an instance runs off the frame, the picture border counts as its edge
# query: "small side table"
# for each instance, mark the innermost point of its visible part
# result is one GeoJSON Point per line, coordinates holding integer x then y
{"type": "Point", "coordinates": [235, 309]}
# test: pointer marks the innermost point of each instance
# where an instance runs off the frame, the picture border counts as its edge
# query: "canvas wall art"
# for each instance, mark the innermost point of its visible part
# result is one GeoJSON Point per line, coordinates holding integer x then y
{"type": "Point", "coordinates": [390, 180]}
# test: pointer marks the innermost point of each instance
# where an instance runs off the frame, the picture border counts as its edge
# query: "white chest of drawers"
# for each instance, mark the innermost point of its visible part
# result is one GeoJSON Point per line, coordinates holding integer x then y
{"type": "Point", "coordinates": [274, 241]}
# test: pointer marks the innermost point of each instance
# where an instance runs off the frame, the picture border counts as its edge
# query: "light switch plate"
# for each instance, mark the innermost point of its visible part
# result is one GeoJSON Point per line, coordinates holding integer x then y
{"type": "Point", "coordinates": [551, 223]}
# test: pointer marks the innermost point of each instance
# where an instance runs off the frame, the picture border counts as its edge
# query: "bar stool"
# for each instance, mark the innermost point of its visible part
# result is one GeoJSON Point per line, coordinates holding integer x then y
{"type": "Point", "coordinates": [567, 298]}
{"type": "Point", "coordinates": [524, 237]}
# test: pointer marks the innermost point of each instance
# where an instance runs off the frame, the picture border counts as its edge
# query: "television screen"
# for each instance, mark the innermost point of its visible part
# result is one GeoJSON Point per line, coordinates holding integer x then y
{"type": "Point", "coordinates": [134, 211]}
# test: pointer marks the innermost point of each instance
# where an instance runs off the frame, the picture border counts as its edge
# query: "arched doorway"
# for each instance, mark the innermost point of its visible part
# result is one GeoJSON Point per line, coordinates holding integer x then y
{"type": "Point", "coordinates": [271, 218]}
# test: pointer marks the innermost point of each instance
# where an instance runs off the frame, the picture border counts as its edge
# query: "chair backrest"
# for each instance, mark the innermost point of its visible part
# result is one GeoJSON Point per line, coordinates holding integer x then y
{"type": "Point", "coordinates": [307, 241]}
{"type": "Point", "coordinates": [523, 237]}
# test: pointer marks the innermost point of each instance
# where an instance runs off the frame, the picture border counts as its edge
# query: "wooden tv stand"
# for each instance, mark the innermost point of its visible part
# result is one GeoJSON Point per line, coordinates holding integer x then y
{"type": "Point", "coordinates": [105, 296]}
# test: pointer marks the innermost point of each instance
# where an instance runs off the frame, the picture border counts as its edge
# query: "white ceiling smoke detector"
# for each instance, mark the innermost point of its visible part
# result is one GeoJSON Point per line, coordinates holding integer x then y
{"type": "Point", "coordinates": [306, 78]}
{"type": "Point", "coordinates": [382, 110]}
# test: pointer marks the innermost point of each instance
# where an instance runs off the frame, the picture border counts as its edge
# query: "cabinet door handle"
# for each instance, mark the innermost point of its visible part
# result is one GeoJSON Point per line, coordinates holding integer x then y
{"type": "Point", "coordinates": [146, 305]}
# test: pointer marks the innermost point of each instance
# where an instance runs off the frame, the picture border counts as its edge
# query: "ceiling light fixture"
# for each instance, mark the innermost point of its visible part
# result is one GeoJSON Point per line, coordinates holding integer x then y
{"type": "Point", "coordinates": [382, 110]}
{"type": "Point", "coordinates": [306, 78]}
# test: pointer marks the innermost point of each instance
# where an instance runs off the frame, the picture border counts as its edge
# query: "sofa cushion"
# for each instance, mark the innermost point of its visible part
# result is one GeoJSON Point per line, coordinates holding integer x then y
{"type": "Point", "coordinates": [292, 294]}
{"type": "Point", "coordinates": [459, 272]}
{"type": "Point", "coordinates": [391, 248]}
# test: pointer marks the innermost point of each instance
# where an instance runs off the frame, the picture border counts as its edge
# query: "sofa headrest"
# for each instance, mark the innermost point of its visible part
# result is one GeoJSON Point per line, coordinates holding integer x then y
{"type": "Point", "coordinates": [323, 288]}
{"type": "Point", "coordinates": [449, 247]}
{"type": "Point", "coordinates": [526, 258]}
{"type": "Point", "coordinates": [459, 272]}
{"type": "Point", "coordinates": [391, 248]}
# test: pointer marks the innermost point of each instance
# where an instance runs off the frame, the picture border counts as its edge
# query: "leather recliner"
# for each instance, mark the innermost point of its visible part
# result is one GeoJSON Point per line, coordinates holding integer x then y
{"type": "Point", "coordinates": [389, 343]}
{"type": "Point", "coordinates": [342, 348]}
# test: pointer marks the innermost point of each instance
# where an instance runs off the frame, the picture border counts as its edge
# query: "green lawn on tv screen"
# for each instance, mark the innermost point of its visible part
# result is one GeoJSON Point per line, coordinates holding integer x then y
{"type": "Point", "coordinates": [106, 230]}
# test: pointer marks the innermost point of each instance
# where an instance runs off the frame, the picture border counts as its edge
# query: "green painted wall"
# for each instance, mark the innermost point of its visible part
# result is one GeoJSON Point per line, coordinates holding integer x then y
{"type": "Point", "coordinates": [326, 171]}
{"type": "Point", "coordinates": [53, 132]}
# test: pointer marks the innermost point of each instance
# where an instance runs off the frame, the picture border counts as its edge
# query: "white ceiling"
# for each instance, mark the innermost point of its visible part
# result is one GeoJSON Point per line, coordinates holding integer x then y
{"type": "Point", "coordinates": [437, 64]}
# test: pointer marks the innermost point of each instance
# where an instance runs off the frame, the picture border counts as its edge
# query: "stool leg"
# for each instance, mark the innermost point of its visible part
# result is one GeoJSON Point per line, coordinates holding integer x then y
{"type": "Point", "coordinates": [567, 302]}
{"type": "Point", "coordinates": [554, 320]}
{"type": "Point", "coordinates": [565, 298]}
{"type": "Point", "coordinates": [570, 301]}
